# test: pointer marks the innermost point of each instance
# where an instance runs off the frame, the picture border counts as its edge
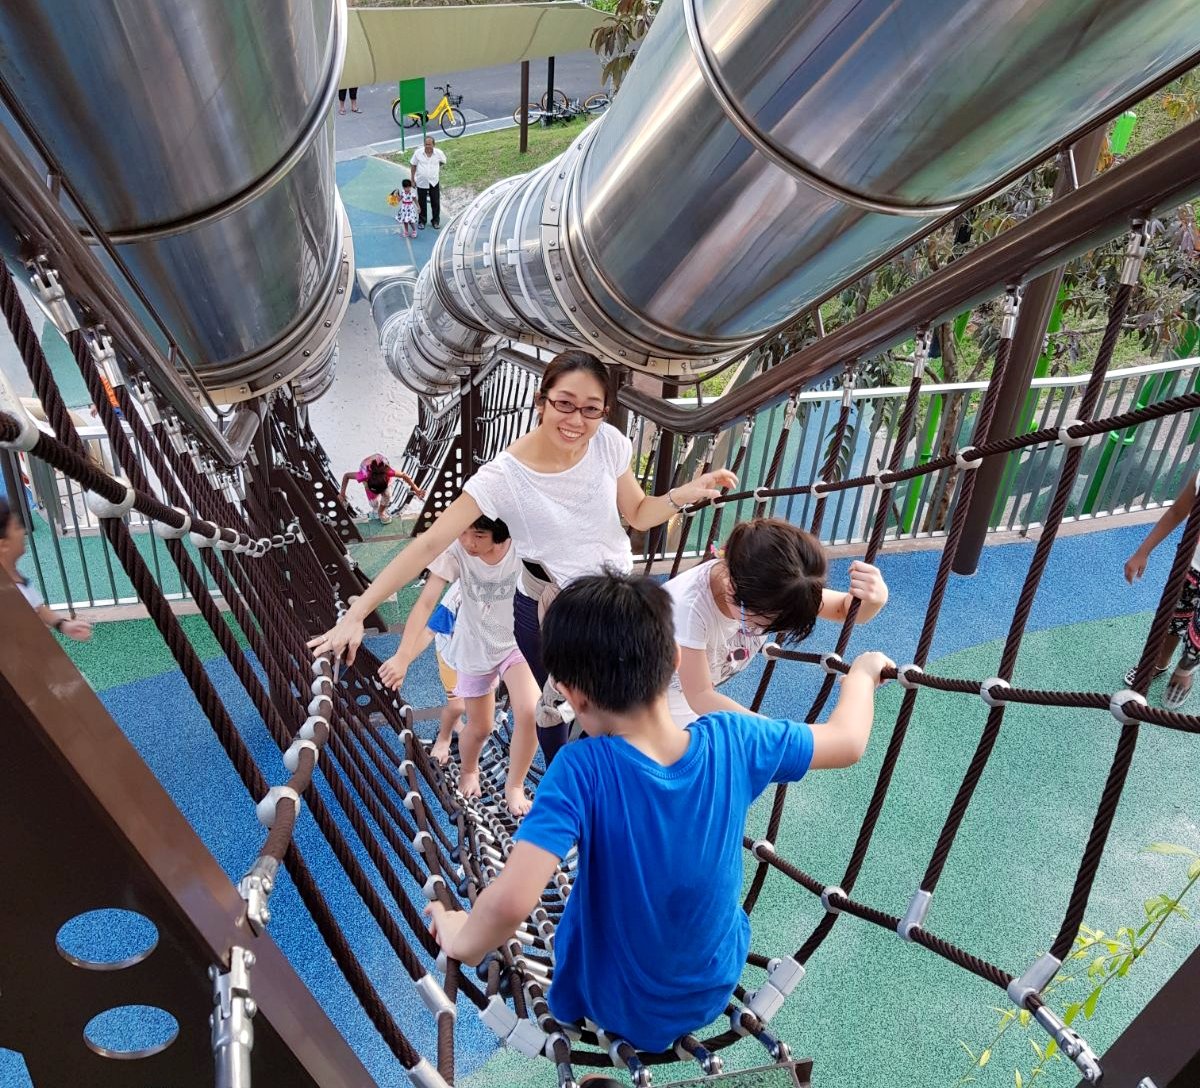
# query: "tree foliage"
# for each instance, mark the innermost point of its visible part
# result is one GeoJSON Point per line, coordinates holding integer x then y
{"type": "Point", "coordinates": [617, 39]}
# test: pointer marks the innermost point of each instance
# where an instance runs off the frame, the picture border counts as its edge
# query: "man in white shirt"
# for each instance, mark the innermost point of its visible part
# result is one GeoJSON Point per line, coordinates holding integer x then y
{"type": "Point", "coordinates": [426, 171]}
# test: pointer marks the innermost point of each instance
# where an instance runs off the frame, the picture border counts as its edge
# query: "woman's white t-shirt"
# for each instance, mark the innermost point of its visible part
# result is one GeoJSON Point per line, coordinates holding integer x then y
{"type": "Point", "coordinates": [483, 627]}
{"type": "Point", "coordinates": [701, 625]}
{"type": "Point", "coordinates": [566, 521]}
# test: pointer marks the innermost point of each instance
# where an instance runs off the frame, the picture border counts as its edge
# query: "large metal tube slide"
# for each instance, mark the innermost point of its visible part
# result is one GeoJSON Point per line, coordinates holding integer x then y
{"type": "Point", "coordinates": [194, 142]}
{"type": "Point", "coordinates": [760, 153]}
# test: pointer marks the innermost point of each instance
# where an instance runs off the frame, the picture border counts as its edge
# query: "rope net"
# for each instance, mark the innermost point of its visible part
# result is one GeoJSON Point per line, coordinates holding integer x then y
{"type": "Point", "coordinates": [275, 553]}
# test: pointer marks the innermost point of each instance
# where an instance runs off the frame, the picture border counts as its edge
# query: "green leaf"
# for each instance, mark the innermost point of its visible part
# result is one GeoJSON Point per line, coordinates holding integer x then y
{"type": "Point", "coordinates": [985, 1057]}
{"type": "Point", "coordinates": [1073, 1011]}
{"type": "Point", "coordinates": [1036, 1049]}
{"type": "Point", "coordinates": [1194, 870]}
{"type": "Point", "coordinates": [1126, 963]}
{"type": "Point", "coordinates": [1051, 1047]}
{"type": "Point", "coordinates": [1017, 1078]}
{"type": "Point", "coordinates": [1089, 1006]}
{"type": "Point", "coordinates": [1169, 848]}
{"type": "Point", "coordinates": [970, 1052]}
{"type": "Point", "coordinates": [1024, 1017]}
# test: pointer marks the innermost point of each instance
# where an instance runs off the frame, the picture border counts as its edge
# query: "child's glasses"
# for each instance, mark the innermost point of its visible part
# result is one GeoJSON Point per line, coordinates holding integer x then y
{"type": "Point", "coordinates": [569, 408]}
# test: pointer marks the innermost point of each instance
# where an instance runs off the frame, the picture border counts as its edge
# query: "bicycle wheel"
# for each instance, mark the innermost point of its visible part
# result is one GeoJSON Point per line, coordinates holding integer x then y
{"type": "Point", "coordinates": [596, 103]}
{"type": "Point", "coordinates": [560, 100]}
{"type": "Point", "coordinates": [531, 112]}
{"type": "Point", "coordinates": [454, 122]}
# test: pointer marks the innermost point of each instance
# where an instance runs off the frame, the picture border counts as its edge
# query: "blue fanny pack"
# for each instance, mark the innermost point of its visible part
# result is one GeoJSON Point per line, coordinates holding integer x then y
{"type": "Point", "coordinates": [441, 621]}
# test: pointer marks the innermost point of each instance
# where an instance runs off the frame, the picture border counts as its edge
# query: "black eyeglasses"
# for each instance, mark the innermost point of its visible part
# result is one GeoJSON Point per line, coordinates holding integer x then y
{"type": "Point", "coordinates": [569, 408]}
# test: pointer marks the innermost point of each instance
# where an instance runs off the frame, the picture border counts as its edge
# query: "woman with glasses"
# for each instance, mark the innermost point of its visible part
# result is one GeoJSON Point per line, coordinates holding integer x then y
{"type": "Point", "coordinates": [769, 580]}
{"type": "Point", "coordinates": [562, 489]}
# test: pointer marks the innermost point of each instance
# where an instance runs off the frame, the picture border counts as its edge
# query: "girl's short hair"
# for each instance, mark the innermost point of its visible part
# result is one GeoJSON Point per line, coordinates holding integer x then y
{"type": "Point", "coordinates": [570, 361]}
{"type": "Point", "coordinates": [406, 183]}
{"type": "Point", "coordinates": [777, 571]}
{"type": "Point", "coordinates": [5, 514]}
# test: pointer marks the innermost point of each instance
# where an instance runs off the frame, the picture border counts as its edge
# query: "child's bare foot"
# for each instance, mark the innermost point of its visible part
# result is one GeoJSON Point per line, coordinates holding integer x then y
{"type": "Point", "coordinates": [518, 803]}
{"type": "Point", "coordinates": [468, 784]}
{"type": "Point", "coordinates": [440, 752]}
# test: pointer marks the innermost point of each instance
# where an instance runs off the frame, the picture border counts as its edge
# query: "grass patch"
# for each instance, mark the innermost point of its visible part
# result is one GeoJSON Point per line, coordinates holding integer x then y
{"type": "Point", "coordinates": [475, 162]}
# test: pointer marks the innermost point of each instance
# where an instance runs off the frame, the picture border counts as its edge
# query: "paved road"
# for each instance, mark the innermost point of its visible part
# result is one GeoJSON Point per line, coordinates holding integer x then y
{"type": "Point", "coordinates": [488, 94]}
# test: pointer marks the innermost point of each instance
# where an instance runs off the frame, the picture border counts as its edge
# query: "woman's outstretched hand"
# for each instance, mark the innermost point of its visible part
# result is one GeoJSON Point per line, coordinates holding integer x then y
{"type": "Point", "coordinates": [341, 641]}
{"type": "Point", "coordinates": [707, 486]}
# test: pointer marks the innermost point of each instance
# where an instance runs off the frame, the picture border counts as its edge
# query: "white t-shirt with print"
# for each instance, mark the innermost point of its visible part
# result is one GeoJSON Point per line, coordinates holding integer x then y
{"type": "Point", "coordinates": [30, 592]}
{"type": "Point", "coordinates": [429, 167]}
{"type": "Point", "coordinates": [566, 521]}
{"type": "Point", "coordinates": [483, 629]}
{"type": "Point", "coordinates": [701, 625]}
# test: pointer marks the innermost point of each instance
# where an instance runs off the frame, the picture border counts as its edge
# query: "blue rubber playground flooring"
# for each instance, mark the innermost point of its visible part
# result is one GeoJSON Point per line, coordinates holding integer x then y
{"type": "Point", "coordinates": [872, 1010]}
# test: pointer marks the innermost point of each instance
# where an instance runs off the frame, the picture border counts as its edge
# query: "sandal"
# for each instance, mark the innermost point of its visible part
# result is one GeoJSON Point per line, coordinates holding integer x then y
{"type": "Point", "coordinates": [1158, 671]}
{"type": "Point", "coordinates": [1176, 694]}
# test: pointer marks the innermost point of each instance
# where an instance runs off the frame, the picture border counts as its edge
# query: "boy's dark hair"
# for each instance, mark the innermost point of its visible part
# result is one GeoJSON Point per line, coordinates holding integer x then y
{"type": "Point", "coordinates": [777, 570]}
{"type": "Point", "coordinates": [377, 476]}
{"type": "Point", "coordinates": [5, 514]}
{"type": "Point", "coordinates": [494, 526]}
{"type": "Point", "coordinates": [611, 637]}
{"type": "Point", "coordinates": [567, 362]}
{"type": "Point", "coordinates": [406, 183]}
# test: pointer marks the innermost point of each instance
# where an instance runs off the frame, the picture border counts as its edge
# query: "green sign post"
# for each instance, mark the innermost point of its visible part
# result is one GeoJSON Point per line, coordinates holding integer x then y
{"type": "Point", "coordinates": [410, 100]}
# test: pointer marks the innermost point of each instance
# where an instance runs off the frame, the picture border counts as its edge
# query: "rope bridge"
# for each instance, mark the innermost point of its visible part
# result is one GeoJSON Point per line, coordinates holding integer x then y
{"type": "Point", "coordinates": [277, 553]}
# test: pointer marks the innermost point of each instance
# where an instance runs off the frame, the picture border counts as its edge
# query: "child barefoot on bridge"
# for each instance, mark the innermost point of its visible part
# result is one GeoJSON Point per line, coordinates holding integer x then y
{"type": "Point", "coordinates": [653, 938]}
{"type": "Point", "coordinates": [484, 565]}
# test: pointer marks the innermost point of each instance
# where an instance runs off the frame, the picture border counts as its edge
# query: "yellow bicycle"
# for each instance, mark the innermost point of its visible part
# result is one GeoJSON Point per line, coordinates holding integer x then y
{"type": "Point", "coordinates": [446, 112]}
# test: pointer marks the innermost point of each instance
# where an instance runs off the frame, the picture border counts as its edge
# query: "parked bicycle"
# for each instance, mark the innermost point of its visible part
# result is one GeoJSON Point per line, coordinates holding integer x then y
{"type": "Point", "coordinates": [447, 113]}
{"type": "Point", "coordinates": [562, 109]}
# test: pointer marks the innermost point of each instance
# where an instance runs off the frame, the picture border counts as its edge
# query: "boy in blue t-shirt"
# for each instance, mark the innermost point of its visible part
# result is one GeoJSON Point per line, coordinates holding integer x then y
{"type": "Point", "coordinates": [653, 938]}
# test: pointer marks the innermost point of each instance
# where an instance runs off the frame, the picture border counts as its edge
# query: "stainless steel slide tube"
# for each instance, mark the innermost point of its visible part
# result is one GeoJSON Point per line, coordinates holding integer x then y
{"type": "Point", "coordinates": [195, 138]}
{"type": "Point", "coordinates": [762, 151]}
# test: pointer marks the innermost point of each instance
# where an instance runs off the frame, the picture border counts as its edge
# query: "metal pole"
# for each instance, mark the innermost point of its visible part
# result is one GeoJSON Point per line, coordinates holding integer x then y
{"type": "Point", "coordinates": [1076, 167]}
{"type": "Point", "coordinates": [524, 106]}
{"type": "Point", "coordinates": [549, 83]}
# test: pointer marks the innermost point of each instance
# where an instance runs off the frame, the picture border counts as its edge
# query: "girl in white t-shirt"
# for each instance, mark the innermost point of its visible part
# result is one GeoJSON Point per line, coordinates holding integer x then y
{"type": "Point", "coordinates": [770, 580]}
{"type": "Point", "coordinates": [563, 489]}
{"type": "Point", "coordinates": [482, 564]}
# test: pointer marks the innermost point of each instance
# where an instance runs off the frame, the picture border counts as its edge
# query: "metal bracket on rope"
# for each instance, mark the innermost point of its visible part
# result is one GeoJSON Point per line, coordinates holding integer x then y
{"type": "Point", "coordinates": [914, 916]}
{"type": "Point", "coordinates": [1140, 233]}
{"type": "Point", "coordinates": [830, 661]}
{"type": "Point", "coordinates": [902, 676]}
{"type": "Point", "coordinates": [1116, 705]}
{"type": "Point", "coordinates": [230, 1020]}
{"type": "Point", "coordinates": [513, 1031]}
{"type": "Point", "coordinates": [1012, 308]}
{"type": "Point", "coordinates": [320, 706]}
{"type": "Point", "coordinates": [711, 1063]}
{"type": "Point", "coordinates": [881, 484]}
{"type": "Point", "coordinates": [101, 347]}
{"type": "Point", "coordinates": [255, 888]}
{"type": "Point", "coordinates": [1038, 975]}
{"type": "Point", "coordinates": [224, 545]}
{"type": "Point", "coordinates": [103, 508]}
{"type": "Point", "coordinates": [985, 690]}
{"type": "Point", "coordinates": [827, 895]}
{"type": "Point", "coordinates": [321, 685]}
{"type": "Point", "coordinates": [435, 997]}
{"type": "Point", "coordinates": [963, 462]}
{"type": "Point", "coordinates": [772, 650]}
{"type": "Point", "coordinates": [1071, 1043]}
{"type": "Point", "coordinates": [171, 532]}
{"type": "Point", "coordinates": [922, 342]}
{"type": "Point", "coordinates": [200, 541]}
{"type": "Point", "coordinates": [762, 846]}
{"type": "Point", "coordinates": [849, 380]}
{"type": "Point", "coordinates": [783, 975]}
{"type": "Point", "coordinates": [143, 396]}
{"type": "Point", "coordinates": [1066, 439]}
{"type": "Point", "coordinates": [423, 1075]}
{"type": "Point", "coordinates": [265, 809]}
{"type": "Point", "coordinates": [47, 286]}
{"type": "Point", "coordinates": [10, 404]}
{"type": "Point", "coordinates": [429, 888]}
{"type": "Point", "coordinates": [308, 731]}
{"type": "Point", "coordinates": [291, 758]}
